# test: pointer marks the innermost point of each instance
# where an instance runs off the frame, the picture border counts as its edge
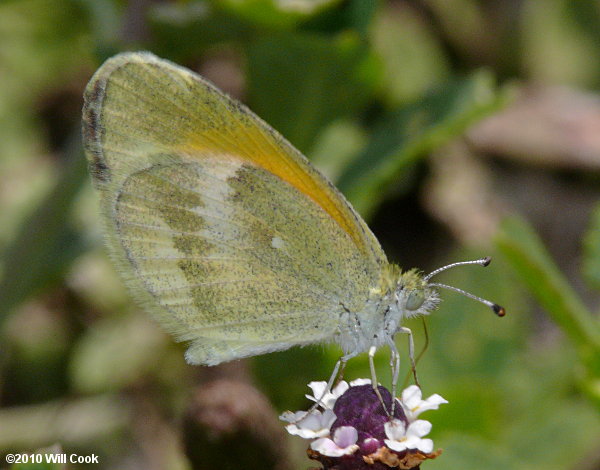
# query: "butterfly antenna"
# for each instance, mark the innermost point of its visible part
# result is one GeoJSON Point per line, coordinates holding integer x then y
{"type": "Point", "coordinates": [481, 262]}
{"type": "Point", "coordinates": [497, 309]}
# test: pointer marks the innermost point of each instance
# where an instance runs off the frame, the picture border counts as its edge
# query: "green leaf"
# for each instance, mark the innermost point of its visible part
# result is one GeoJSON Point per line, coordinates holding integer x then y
{"type": "Point", "coordinates": [530, 260]}
{"type": "Point", "coordinates": [301, 83]}
{"type": "Point", "coordinates": [413, 58]}
{"type": "Point", "coordinates": [185, 30]}
{"type": "Point", "coordinates": [336, 146]}
{"type": "Point", "coordinates": [412, 131]}
{"type": "Point", "coordinates": [349, 15]}
{"type": "Point", "coordinates": [360, 14]}
{"type": "Point", "coordinates": [591, 250]}
{"type": "Point", "coordinates": [275, 13]}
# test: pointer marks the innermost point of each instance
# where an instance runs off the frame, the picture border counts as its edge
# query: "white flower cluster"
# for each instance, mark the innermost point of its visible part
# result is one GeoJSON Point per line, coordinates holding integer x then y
{"type": "Point", "coordinates": [401, 437]}
{"type": "Point", "coordinates": [316, 424]}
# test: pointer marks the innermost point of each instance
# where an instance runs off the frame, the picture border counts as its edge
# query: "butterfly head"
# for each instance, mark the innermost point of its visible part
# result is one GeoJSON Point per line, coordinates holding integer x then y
{"type": "Point", "coordinates": [415, 294]}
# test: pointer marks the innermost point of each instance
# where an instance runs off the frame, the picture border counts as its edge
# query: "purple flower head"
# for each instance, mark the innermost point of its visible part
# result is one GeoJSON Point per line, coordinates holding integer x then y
{"type": "Point", "coordinates": [363, 432]}
{"type": "Point", "coordinates": [361, 408]}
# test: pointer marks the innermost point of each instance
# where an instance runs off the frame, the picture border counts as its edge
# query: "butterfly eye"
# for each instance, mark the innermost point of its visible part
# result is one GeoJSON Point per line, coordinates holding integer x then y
{"type": "Point", "coordinates": [415, 299]}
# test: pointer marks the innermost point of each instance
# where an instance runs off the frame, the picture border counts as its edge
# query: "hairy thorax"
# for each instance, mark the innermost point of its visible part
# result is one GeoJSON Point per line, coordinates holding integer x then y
{"type": "Point", "coordinates": [399, 295]}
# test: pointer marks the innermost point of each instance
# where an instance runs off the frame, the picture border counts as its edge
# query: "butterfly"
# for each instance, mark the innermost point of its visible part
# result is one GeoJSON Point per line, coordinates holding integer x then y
{"type": "Point", "coordinates": [226, 233]}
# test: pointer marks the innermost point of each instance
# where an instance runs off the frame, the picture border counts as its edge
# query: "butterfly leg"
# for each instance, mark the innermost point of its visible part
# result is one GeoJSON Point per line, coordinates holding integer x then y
{"type": "Point", "coordinates": [339, 365]}
{"type": "Point", "coordinates": [395, 368]}
{"type": "Point", "coordinates": [411, 352]}
{"type": "Point", "coordinates": [338, 368]}
{"type": "Point", "coordinates": [374, 381]}
{"type": "Point", "coordinates": [340, 375]}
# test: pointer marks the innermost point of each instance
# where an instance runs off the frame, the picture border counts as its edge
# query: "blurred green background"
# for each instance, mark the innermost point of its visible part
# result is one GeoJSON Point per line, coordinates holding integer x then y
{"type": "Point", "coordinates": [458, 129]}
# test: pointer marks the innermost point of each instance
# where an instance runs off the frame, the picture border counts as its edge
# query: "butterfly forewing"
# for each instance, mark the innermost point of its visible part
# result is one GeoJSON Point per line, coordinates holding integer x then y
{"type": "Point", "coordinates": [218, 225]}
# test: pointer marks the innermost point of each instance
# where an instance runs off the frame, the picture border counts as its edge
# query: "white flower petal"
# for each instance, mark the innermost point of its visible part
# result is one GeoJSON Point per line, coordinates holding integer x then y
{"type": "Point", "coordinates": [358, 382]}
{"type": "Point", "coordinates": [309, 426]}
{"type": "Point", "coordinates": [398, 446]}
{"type": "Point", "coordinates": [290, 416]}
{"type": "Point", "coordinates": [318, 389]}
{"type": "Point", "coordinates": [340, 388]}
{"type": "Point", "coordinates": [325, 446]}
{"type": "Point", "coordinates": [413, 404]}
{"type": "Point", "coordinates": [400, 440]}
{"type": "Point", "coordinates": [436, 399]}
{"type": "Point", "coordinates": [327, 418]}
{"type": "Point", "coordinates": [426, 446]}
{"type": "Point", "coordinates": [343, 443]}
{"type": "Point", "coordinates": [418, 428]}
{"type": "Point", "coordinates": [345, 436]}
{"type": "Point", "coordinates": [432, 403]}
{"type": "Point", "coordinates": [311, 422]}
{"type": "Point", "coordinates": [305, 433]}
{"type": "Point", "coordinates": [395, 429]}
{"type": "Point", "coordinates": [326, 398]}
{"type": "Point", "coordinates": [412, 396]}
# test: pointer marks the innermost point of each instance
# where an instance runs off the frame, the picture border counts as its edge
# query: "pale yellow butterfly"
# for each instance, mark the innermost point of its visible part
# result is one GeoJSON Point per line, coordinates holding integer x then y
{"type": "Point", "coordinates": [225, 232]}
